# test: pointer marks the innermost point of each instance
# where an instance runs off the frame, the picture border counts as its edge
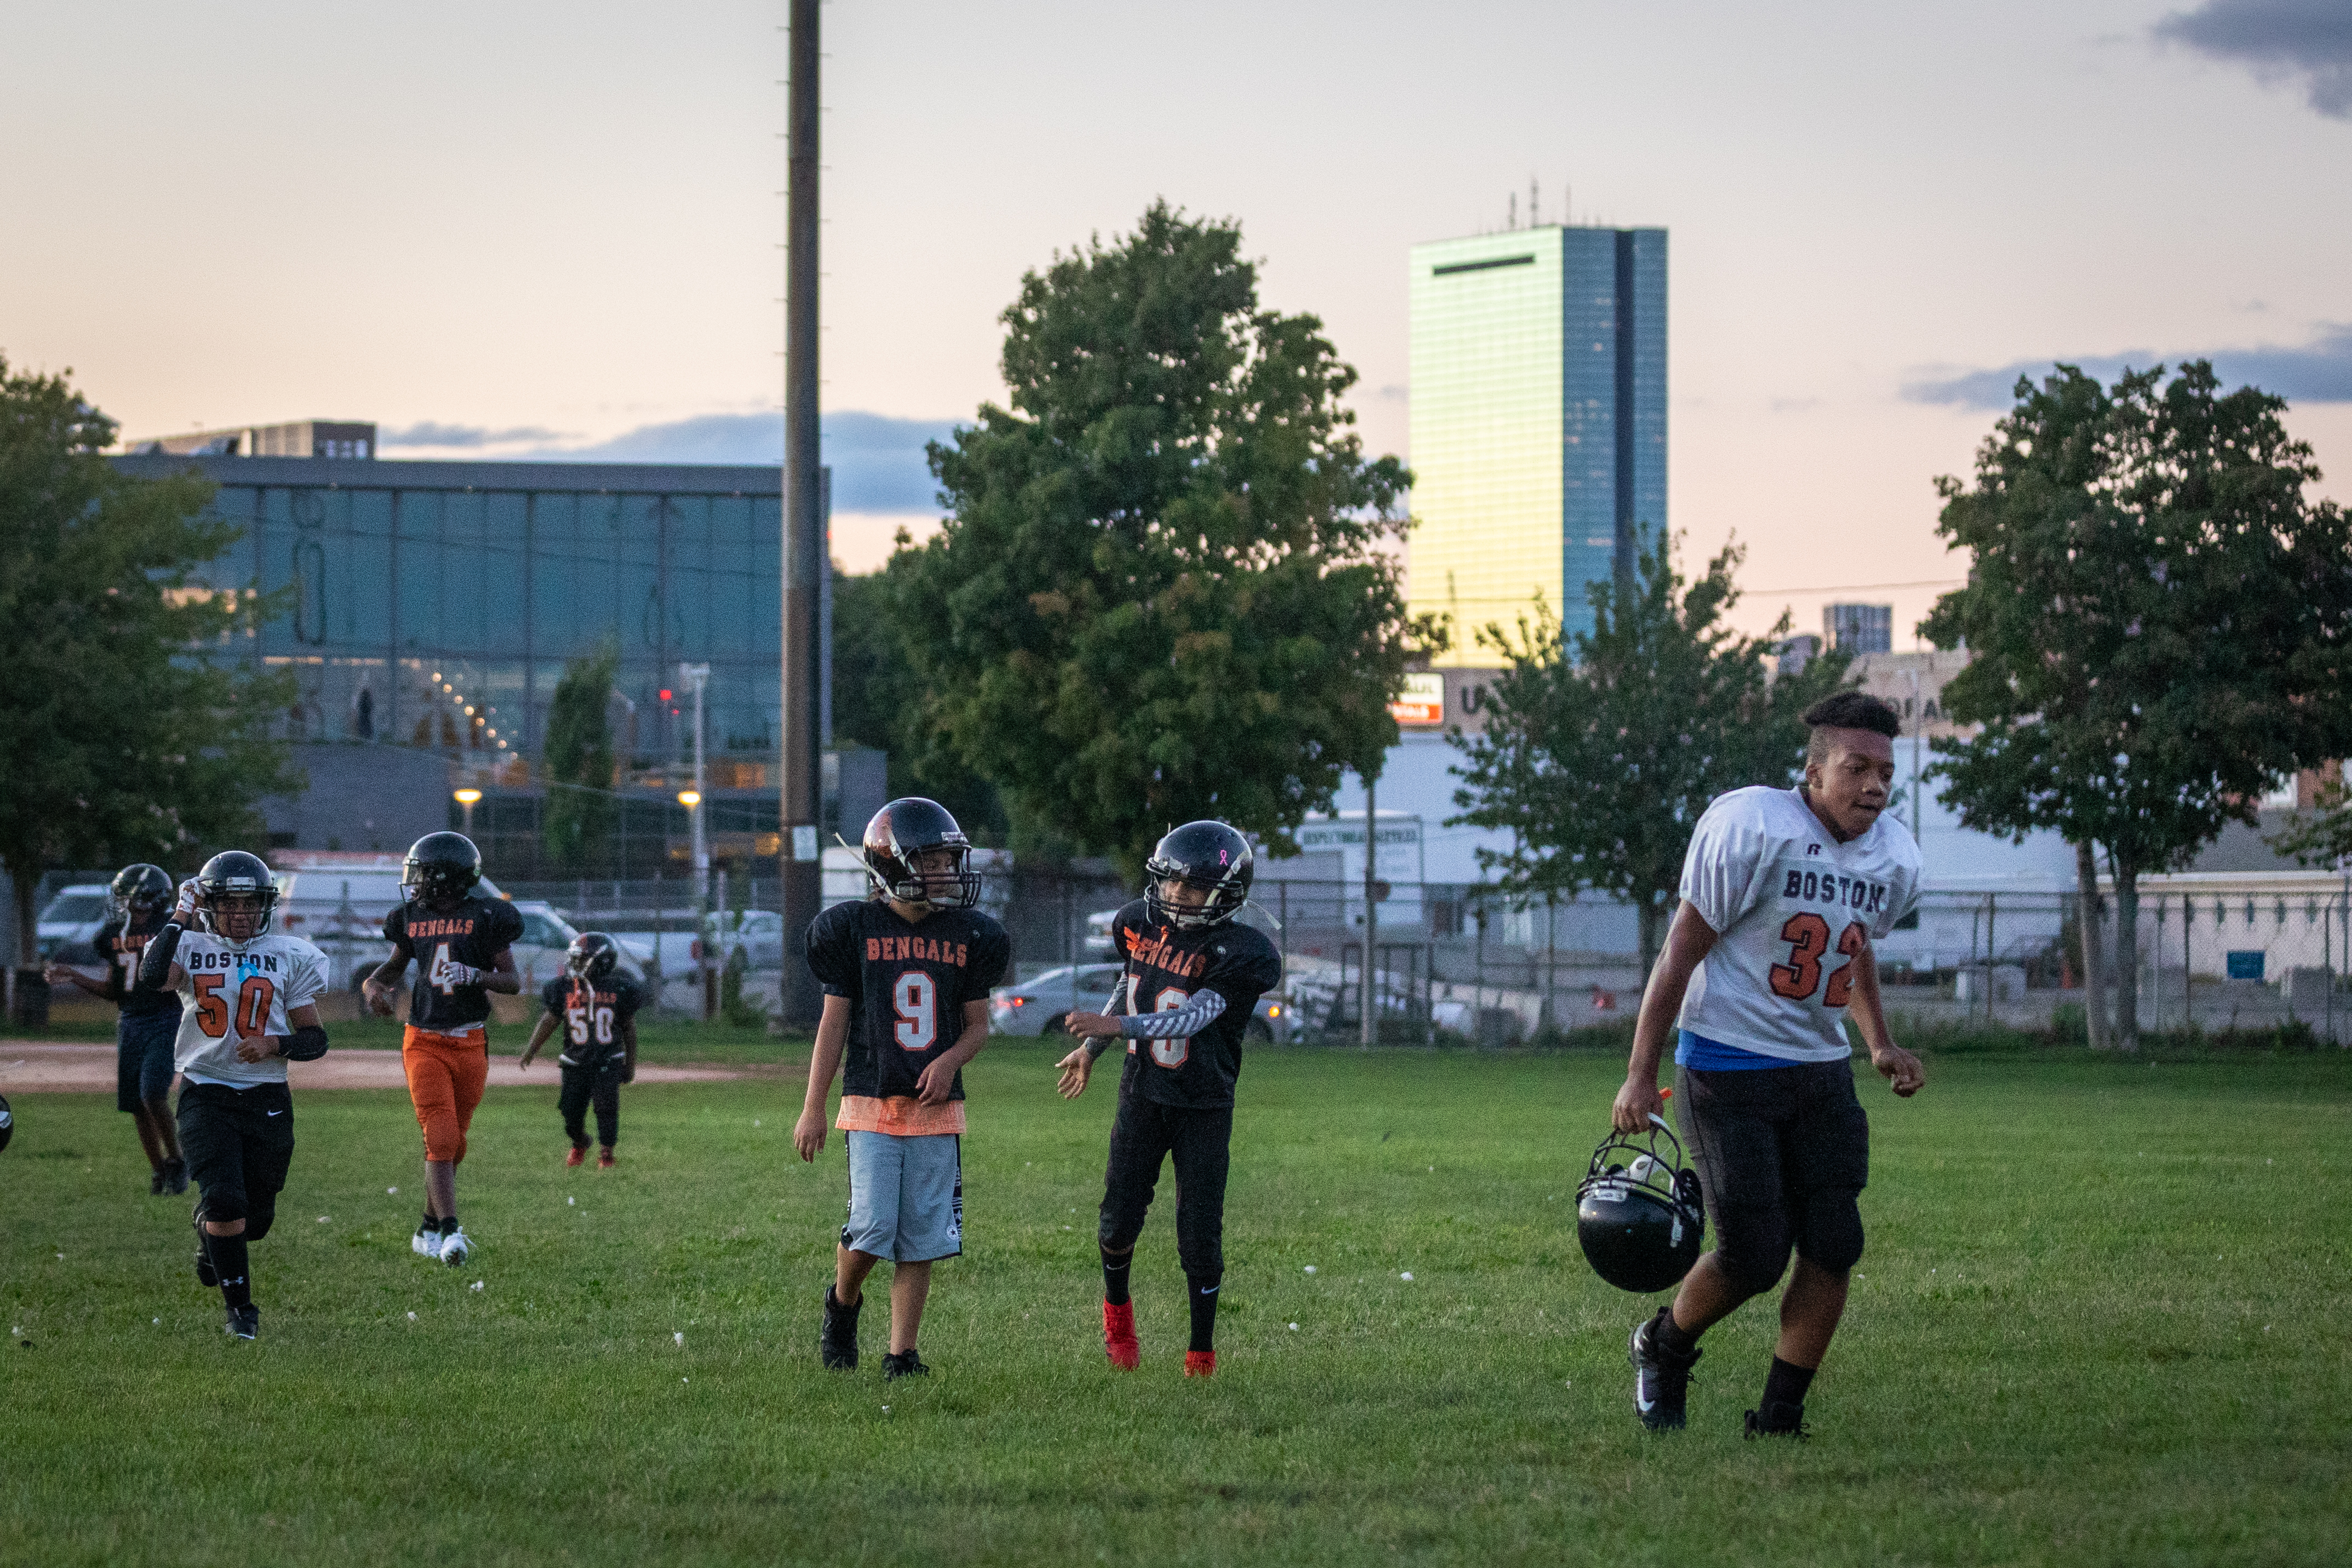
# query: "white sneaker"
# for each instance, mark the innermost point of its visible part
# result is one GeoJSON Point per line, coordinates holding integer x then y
{"type": "Point", "coordinates": [426, 1243]}
{"type": "Point", "coordinates": [455, 1245]}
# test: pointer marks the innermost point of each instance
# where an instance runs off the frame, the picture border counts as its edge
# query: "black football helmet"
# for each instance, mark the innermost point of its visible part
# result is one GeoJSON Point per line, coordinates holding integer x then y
{"type": "Point", "coordinates": [233, 874]}
{"type": "Point", "coordinates": [441, 869]}
{"type": "Point", "coordinates": [1206, 855]}
{"type": "Point", "coordinates": [903, 829]}
{"type": "Point", "coordinates": [592, 956]}
{"type": "Point", "coordinates": [139, 888]}
{"type": "Point", "coordinates": [7, 1123]}
{"type": "Point", "coordinates": [1639, 1217]}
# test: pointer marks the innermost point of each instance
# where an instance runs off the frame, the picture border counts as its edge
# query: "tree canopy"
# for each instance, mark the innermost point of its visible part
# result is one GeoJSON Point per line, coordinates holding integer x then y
{"type": "Point", "coordinates": [1601, 752]}
{"type": "Point", "coordinates": [2160, 625]}
{"type": "Point", "coordinates": [577, 824]}
{"type": "Point", "coordinates": [137, 725]}
{"type": "Point", "coordinates": [1167, 588]}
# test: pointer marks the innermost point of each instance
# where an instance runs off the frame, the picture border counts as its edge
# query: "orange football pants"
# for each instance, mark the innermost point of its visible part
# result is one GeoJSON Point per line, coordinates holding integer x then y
{"type": "Point", "coordinates": [446, 1075]}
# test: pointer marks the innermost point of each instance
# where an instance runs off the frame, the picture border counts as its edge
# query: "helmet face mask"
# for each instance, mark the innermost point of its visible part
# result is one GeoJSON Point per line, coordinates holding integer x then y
{"type": "Point", "coordinates": [915, 854]}
{"type": "Point", "coordinates": [236, 896]}
{"type": "Point", "coordinates": [138, 889]}
{"type": "Point", "coordinates": [1208, 857]}
{"type": "Point", "coordinates": [440, 870]}
{"type": "Point", "coordinates": [592, 956]}
{"type": "Point", "coordinates": [1639, 1215]}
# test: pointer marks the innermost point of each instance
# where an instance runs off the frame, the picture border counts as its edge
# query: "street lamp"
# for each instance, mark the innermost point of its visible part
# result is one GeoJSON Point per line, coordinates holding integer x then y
{"type": "Point", "coordinates": [466, 799]}
{"type": "Point", "coordinates": [697, 676]}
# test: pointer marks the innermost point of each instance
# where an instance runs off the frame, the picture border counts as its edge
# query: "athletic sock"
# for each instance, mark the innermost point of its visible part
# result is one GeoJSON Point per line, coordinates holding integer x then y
{"type": "Point", "coordinates": [448, 1224]}
{"type": "Point", "coordinates": [1670, 1336]}
{"type": "Point", "coordinates": [1116, 1270]}
{"type": "Point", "coordinates": [229, 1256]}
{"type": "Point", "coordinates": [1205, 1314]}
{"type": "Point", "coordinates": [1786, 1384]}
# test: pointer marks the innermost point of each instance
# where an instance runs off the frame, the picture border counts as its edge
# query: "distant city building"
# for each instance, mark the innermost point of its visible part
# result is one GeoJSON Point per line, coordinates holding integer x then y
{"type": "Point", "coordinates": [1859, 628]}
{"type": "Point", "coordinates": [1538, 421]}
{"type": "Point", "coordinates": [1793, 654]}
{"type": "Point", "coordinates": [301, 438]}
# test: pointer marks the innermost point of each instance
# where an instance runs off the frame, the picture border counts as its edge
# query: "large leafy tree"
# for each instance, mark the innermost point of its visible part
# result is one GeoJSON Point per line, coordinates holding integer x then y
{"type": "Point", "coordinates": [2160, 623]}
{"type": "Point", "coordinates": [877, 702]}
{"type": "Point", "coordinates": [577, 823]}
{"type": "Point", "coordinates": [1601, 751]}
{"type": "Point", "coordinates": [137, 726]}
{"type": "Point", "coordinates": [1164, 591]}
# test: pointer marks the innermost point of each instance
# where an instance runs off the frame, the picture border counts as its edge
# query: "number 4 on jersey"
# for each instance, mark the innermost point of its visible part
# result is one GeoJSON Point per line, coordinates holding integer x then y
{"type": "Point", "coordinates": [1808, 936]}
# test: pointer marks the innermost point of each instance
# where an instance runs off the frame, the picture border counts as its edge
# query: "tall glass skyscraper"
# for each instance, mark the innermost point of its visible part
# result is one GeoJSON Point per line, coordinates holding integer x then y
{"type": "Point", "coordinates": [1539, 420]}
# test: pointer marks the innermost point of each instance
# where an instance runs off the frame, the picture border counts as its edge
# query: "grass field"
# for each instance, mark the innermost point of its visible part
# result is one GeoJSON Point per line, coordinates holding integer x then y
{"type": "Point", "coordinates": [2102, 1320]}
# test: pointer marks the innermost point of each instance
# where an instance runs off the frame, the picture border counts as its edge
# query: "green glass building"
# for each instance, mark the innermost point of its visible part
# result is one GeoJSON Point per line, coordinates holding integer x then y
{"type": "Point", "coordinates": [1538, 419]}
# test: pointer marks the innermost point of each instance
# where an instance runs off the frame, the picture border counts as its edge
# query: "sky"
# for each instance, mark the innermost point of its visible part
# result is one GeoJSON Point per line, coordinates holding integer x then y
{"type": "Point", "coordinates": [555, 229]}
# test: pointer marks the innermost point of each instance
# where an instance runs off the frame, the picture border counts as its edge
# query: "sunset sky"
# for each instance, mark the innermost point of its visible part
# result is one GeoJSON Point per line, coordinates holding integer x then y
{"type": "Point", "coordinates": [535, 228]}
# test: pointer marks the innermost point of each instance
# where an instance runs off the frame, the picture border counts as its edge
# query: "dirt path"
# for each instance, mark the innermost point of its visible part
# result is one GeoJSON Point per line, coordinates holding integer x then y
{"type": "Point", "coordinates": [44, 1067]}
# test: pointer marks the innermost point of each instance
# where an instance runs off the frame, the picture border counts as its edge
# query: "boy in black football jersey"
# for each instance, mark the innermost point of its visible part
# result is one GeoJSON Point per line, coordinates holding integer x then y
{"type": "Point", "coordinates": [137, 903]}
{"type": "Point", "coordinates": [462, 944]}
{"type": "Point", "coordinates": [906, 975]}
{"type": "Point", "coordinates": [597, 1010]}
{"type": "Point", "coordinates": [1193, 978]}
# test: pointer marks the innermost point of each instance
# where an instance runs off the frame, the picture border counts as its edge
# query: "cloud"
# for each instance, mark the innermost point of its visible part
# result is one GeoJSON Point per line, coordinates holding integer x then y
{"type": "Point", "coordinates": [2312, 38]}
{"type": "Point", "coordinates": [2320, 372]}
{"type": "Point", "coordinates": [878, 461]}
{"type": "Point", "coordinates": [429, 434]}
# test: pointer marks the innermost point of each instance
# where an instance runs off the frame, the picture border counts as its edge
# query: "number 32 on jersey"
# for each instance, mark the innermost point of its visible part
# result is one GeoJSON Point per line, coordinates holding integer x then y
{"type": "Point", "coordinates": [1808, 936]}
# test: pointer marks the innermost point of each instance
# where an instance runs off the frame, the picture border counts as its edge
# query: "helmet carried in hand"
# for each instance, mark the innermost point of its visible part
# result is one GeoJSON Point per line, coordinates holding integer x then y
{"type": "Point", "coordinates": [908, 827]}
{"type": "Point", "coordinates": [1206, 855]}
{"type": "Point", "coordinates": [441, 869]}
{"type": "Point", "coordinates": [229, 878]}
{"type": "Point", "coordinates": [1638, 1211]}
{"type": "Point", "coordinates": [592, 956]}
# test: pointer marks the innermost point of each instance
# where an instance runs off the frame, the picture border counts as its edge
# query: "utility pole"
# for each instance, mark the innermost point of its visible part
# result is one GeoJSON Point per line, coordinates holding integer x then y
{"type": "Point", "coordinates": [1370, 1030]}
{"type": "Point", "coordinates": [804, 529]}
{"type": "Point", "coordinates": [697, 676]}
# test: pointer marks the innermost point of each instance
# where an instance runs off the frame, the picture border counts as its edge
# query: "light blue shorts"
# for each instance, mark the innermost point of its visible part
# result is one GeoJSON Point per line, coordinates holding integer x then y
{"type": "Point", "coordinates": [905, 1196]}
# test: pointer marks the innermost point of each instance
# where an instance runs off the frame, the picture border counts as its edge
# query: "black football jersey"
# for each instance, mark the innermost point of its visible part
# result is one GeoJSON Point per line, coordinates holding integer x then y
{"type": "Point", "coordinates": [1165, 966]}
{"type": "Point", "coordinates": [590, 1019]}
{"type": "Point", "coordinates": [120, 945]}
{"type": "Point", "coordinates": [907, 982]}
{"type": "Point", "coordinates": [474, 933]}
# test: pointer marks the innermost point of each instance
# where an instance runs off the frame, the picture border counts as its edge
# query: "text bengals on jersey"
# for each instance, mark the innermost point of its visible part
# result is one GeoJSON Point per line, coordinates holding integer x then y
{"type": "Point", "coordinates": [890, 949]}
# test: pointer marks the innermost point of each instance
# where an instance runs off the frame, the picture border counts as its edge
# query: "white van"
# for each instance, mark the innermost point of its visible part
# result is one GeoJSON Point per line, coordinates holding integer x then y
{"type": "Point", "coordinates": [337, 902]}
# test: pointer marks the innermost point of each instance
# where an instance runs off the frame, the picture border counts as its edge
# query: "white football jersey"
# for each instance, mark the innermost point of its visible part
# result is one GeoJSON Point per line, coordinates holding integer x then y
{"type": "Point", "coordinates": [235, 992]}
{"type": "Point", "coordinates": [1792, 908]}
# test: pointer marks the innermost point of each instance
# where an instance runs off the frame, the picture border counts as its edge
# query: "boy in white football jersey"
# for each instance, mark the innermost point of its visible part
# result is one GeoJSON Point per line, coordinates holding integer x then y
{"type": "Point", "coordinates": [248, 1010]}
{"type": "Point", "coordinates": [1782, 892]}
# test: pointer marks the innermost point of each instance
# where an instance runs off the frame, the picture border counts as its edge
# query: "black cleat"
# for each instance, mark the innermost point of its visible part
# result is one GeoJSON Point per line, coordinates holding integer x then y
{"type": "Point", "coordinates": [175, 1176]}
{"type": "Point", "coordinates": [1660, 1381]}
{"type": "Point", "coordinates": [1778, 1419]}
{"type": "Point", "coordinates": [837, 1341]}
{"type": "Point", "coordinates": [244, 1322]}
{"type": "Point", "coordinates": [155, 1184]}
{"type": "Point", "coordinates": [910, 1365]}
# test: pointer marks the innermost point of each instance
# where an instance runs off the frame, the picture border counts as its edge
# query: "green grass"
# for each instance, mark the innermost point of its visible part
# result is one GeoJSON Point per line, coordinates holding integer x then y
{"type": "Point", "coordinates": [658, 1039]}
{"type": "Point", "coordinates": [2102, 1320]}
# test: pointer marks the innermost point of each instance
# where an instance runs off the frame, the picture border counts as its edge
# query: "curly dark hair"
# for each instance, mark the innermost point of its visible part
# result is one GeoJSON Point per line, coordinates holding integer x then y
{"type": "Point", "coordinates": [1847, 710]}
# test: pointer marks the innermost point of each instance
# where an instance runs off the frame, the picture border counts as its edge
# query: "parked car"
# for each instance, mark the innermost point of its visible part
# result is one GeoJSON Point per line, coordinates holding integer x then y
{"type": "Point", "coordinates": [1038, 1006]}
{"type": "Point", "coordinates": [67, 922]}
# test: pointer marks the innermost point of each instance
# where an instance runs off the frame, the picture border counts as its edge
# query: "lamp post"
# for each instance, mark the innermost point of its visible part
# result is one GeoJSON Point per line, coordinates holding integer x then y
{"type": "Point", "coordinates": [697, 676]}
{"type": "Point", "coordinates": [466, 798]}
{"type": "Point", "coordinates": [692, 800]}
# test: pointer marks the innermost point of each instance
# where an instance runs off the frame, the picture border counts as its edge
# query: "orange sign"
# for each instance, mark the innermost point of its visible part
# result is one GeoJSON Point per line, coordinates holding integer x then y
{"type": "Point", "coordinates": [1423, 702]}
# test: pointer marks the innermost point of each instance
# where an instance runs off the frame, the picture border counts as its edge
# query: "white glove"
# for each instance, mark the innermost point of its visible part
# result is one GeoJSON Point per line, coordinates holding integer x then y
{"type": "Point", "coordinates": [456, 974]}
{"type": "Point", "coordinates": [184, 912]}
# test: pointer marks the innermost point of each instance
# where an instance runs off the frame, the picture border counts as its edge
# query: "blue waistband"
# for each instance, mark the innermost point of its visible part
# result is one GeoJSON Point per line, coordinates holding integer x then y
{"type": "Point", "coordinates": [1712, 1055]}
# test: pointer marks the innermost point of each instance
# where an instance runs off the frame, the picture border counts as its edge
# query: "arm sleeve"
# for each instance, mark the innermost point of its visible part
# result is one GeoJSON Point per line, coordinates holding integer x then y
{"type": "Point", "coordinates": [395, 932]}
{"type": "Point", "coordinates": [628, 999]}
{"type": "Point", "coordinates": [306, 976]}
{"type": "Point", "coordinates": [990, 961]}
{"type": "Point", "coordinates": [506, 927]}
{"type": "Point", "coordinates": [550, 995]}
{"type": "Point", "coordinates": [306, 1044]}
{"type": "Point", "coordinates": [1720, 869]}
{"type": "Point", "coordinates": [155, 959]}
{"type": "Point", "coordinates": [1205, 1007]}
{"type": "Point", "coordinates": [1903, 898]}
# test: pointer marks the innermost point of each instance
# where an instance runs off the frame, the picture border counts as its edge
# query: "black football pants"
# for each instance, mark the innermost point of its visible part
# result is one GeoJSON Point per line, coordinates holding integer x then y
{"type": "Point", "coordinates": [583, 1086]}
{"type": "Point", "coordinates": [239, 1144]}
{"type": "Point", "coordinates": [1145, 1134]}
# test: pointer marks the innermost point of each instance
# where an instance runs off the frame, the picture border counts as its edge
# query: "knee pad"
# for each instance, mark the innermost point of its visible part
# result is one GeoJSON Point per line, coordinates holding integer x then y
{"type": "Point", "coordinates": [1832, 1234]}
{"type": "Point", "coordinates": [1117, 1232]}
{"type": "Point", "coordinates": [1200, 1260]}
{"type": "Point", "coordinates": [258, 1224]}
{"type": "Point", "coordinates": [220, 1207]}
{"type": "Point", "coordinates": [1751, 1247]}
